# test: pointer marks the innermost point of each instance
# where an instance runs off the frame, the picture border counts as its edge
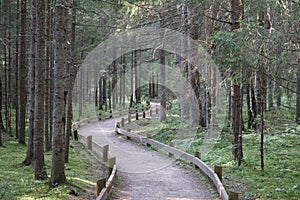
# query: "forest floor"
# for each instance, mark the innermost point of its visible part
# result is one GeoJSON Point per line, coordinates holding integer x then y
{"type": "Point", "coordinates": [281, 176]}
{"type": "Point", "coordinates": [17, 180]}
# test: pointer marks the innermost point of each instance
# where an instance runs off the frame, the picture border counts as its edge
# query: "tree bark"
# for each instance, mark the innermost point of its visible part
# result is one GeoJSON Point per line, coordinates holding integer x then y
{"type": "Point", "coordinates": [58, 170]}
{"type": "Point", "coordinates": [16, 103]}
{"type": "Point", "coordinates": [72, 77]}
{"type": "Point", "coordinates": [163, 117]}
{"type": "Point", "coordinates": [101, 92]}
{"type": "Point", "coordinates": [47, 76]}
{"type": "Point", "coordinates": [22, 75]}
{"type": "Point", "coordinates": [298, 95]}
{"type": "Point", "coordinates": [131, 80]}
{"type": "Point", "coordinates": [236, 15]}
{"type": "Point", "coordinates": [1, 120]}
{"type": "Point", "coordinates": [137, 77]}
{"type": "Point", "coordinates": [270, 94]}
{"type": "Point", "coordinates": [236, 118]}
{"type": "Point", "coordinates": [29, 154]}
{"type": "Point", "coordinates": [39, 162]}
{"type": "Point", "coordinates": [251, 105]}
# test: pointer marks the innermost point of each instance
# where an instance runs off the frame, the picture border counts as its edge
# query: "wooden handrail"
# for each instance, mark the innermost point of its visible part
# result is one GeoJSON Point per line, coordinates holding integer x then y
{"type": "Point", "coordinates": [180, 154]}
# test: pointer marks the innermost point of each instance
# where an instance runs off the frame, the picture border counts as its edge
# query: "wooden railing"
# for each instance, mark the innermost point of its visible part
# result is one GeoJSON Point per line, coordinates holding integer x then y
{"type": "Point", "coordinates": [214, 175]}
{"type": "Point", "coordinates": [103, 186]}
{"type": "Point", "coordinates": [83, 122]}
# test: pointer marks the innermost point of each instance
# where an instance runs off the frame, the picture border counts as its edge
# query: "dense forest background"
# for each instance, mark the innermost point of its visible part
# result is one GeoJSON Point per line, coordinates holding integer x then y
{"type": "Point", "coordinates": [255, 44]}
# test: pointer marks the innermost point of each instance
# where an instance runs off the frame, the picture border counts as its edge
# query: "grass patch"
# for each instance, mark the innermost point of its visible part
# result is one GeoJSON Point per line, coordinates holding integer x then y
{"type": "Point", "coordinates": [17, 180]}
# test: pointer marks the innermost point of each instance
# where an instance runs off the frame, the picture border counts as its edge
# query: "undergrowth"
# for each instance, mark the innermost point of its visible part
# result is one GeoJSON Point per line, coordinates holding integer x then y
{"type": "Point", "coordinates": [17, 181]}
{"type": "Point", "coordinates": [279, 180]}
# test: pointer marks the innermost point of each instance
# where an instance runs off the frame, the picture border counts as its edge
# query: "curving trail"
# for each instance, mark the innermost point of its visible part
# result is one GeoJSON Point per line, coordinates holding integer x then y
{"type": "Point", "coordinates": [145, 174]}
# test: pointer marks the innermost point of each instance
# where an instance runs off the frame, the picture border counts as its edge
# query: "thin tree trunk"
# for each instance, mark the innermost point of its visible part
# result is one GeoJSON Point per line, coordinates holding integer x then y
{"type": "Point", "coordinates": [16, 104]}
{"type": "Point", "coordinates": [104, 96]}
{"type": "Point", "coordinates": [236, 15]}
{"type": "Point", "coordinates": [229, 108]}
{"type": "Point", "coordinates": [136, 77]}
{"type": "Point", "coordinates": [101, 92]}
{"type": "Point", "coordinates": [58, 169]}
{"type": "Point", "coordinates": [251, 105]}
{"type": "Point", "coordinates": [270, 94]}
{"type": "Point", "coordinates": [47, 77]}
{"type": "Point", "coordinates": [298, 95]}
{"type": "Point", "coordinates": [29, 154]}
{"type": "Point", "coordinates": [8, 77]}
{"type": "Point", "coordinates": [22, 75]}
{"type": "Point", "coordinates": [124, 80]}
{"type": "Point", "coordinates": [72, 78]}
{"type": "Point", "coordinates": [39, 161]}
{"type": "Point", "coordinates": [51, 72]}
{"type": "Point", "coordinates": [81, 93]}
{"type": "Point", "coordinates": [262, 164]}
{"type": "Point", "coordinates": [131, 80]}
{"type": "Point", "coordinates": [163, 117]}
{"type": "Point", "coordinates": [1, 120]}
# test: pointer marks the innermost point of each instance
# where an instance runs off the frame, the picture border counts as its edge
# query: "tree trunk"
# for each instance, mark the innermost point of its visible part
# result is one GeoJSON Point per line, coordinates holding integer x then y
{"type": "Point", "coordinates": [137, 78]}
{"type": "Point", "coordinates": [163, 117]}
{"type": "Point", "coordinates": [298, 95]}
{"type": "Point", "coordinates": [8, 76]}
{"type": "Point", "coordinates": [29, 154]}
{"type": "Point", "coordinates": [104, 89]}
{"type": "Point", "coordinates": [17, 59]}
{"type": "Point", "coordinates": [236, 118]}
{"type": "Point", "coordinates": [270, 94]}
{"type": "Point", "coordinates": [123, 80]}
{"type": "Point", "coordinates": [39, 162]}
{"type": "Point", "coordinates": [47, 76]}
{"type": "Point", "coordinates": [278, 92]}
{"type": "Point", "coordinates": [131, 80]}
{"type": "Point", "coordinates": [1, 120]}
{"type": "Point", "coordinates": [22, 75]}
{"type": "Point", "coordinates": [236, 15]}
{"type": "Point", "coordinates": [58, 170]}
{"type": "Point", "coordinates": [251, 105]}
{"type": "Point", "coordinates": [101, 92]}
{"type": "Point", "coordinates": [81, 93]}
{"type": "Point", "coordinates": [71, 82]}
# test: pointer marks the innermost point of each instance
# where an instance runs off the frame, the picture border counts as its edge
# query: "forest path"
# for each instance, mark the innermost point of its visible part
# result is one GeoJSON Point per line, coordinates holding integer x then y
{"type": "Point", "coordinates": [145, 174]}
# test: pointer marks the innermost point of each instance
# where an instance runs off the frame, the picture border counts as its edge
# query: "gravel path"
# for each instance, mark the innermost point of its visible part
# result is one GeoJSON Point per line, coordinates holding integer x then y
{"type": "Point", "coordinates": [145, 174]}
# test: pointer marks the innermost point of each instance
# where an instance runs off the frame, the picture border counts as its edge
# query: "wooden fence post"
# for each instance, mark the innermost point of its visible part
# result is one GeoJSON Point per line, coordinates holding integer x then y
{"type": "Point", "coordinates": [122, 122]}
{"type": "Point", "coordinates": [233, 195]}
{"type": "Point", "coordinates": [110, 112]}
{"type": "Point", "coordinates": [171, 144]}
{"type": "Point", "coordinates": [150, 112]}
{"type": "Point", "coordinates": [100, 185]}
{"type": "Point", "coordinates": [197, 155]}
{"type": "Point", "coordinates": [144, 114]}
{"type": "Point", "coordinates": [148, 136]}
{"type": "Point", "coordinates": [129, 118]}
{"type": "Point", "coordinates": [105, 153]}
{"type": "Point", "coordinates": [218, 171]}
{"type": "Point", "coordinates": [156, 110]}
{"type": "Point", "coordinates": [136, 114]}
{"type": "Point", "coordinates": [111, 163]}
{"type": "Point", "coordinates": [89, 142]}
{"type": "Point", "coordinates": [100, 116]}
